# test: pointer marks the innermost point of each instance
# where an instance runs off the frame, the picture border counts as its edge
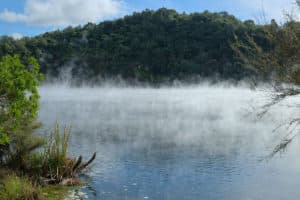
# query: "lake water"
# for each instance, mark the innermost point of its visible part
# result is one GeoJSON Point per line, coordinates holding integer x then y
{"type": "Point", "coordinates": [196, 142]}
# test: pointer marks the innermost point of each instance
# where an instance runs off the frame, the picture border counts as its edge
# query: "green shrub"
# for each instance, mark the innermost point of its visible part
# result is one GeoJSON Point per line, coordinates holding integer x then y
{"type": "Point", "coordinates": [24, 144]}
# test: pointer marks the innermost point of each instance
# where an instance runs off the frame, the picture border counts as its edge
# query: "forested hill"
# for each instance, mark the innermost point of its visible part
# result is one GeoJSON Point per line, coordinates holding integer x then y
{"type": "Point", "coordinates": [147, 46]}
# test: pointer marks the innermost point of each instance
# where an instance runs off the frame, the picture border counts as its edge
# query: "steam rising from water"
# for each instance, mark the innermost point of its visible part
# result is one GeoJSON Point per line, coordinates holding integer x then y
{"type": "Point", "coordinates": [183, 116]}
{"type": "Point", "coordinates": [142, 134]}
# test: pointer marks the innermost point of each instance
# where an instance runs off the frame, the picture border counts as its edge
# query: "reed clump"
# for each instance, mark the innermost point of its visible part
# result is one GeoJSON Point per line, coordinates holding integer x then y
{"type": "Point", "coordinates": [52, 165]}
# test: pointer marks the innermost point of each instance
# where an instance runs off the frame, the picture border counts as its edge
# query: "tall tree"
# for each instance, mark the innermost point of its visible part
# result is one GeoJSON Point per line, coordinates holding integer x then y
{"type": "Point", "coordinates": [18, 100]}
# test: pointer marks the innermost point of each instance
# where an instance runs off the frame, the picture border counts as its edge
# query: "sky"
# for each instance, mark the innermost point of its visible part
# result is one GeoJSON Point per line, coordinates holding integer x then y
{"type": "Point", "coordinates": [20, 18]}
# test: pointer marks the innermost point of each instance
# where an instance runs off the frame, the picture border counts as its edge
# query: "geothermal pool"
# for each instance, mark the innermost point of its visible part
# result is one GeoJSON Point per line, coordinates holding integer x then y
{"type": "Point", "coordinates": [189, 142]}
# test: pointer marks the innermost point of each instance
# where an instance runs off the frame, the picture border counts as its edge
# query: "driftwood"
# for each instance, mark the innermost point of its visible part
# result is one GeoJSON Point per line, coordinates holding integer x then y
{"type": "Point", "coordinates": [84, 165]}
{"type": "Point", "coordinates": [79, 166]}
{"type": "Point", "coordinates": [70, 182]}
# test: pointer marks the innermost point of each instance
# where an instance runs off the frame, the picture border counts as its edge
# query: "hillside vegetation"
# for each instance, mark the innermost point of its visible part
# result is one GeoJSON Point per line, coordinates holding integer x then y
{"type": "Point", "coordinates": [150, 46]}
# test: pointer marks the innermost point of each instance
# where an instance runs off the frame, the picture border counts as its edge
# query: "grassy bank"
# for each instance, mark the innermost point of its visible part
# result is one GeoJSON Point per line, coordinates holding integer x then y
{"type": "Point", "coordinates": [47, 173]}
{"type": "Point", "coordinates": [21, 188]}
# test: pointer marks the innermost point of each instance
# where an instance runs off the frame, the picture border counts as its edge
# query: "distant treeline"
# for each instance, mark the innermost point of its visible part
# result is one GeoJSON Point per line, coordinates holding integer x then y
{"type": "Point", "coordinates": [150, 46]}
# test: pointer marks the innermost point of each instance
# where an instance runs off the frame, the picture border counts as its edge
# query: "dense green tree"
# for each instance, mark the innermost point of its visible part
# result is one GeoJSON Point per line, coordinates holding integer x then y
{"type": "Point", "coordinates": [18, 101]}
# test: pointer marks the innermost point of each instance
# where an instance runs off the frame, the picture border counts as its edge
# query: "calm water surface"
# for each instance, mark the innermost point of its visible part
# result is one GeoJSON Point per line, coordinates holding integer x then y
{"type": "Point", "coordinates": [198, 142]}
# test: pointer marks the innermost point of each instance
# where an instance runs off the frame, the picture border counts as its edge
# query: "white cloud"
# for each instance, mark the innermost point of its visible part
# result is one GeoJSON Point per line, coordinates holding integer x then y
{"type": "Point", "coordinates": [16, 36]}
{"type": "Point", "coordinates": [270, 9]}
{"type": "Point", "coordinates": [253, 9]}
{"type": "Point", "coordinates": [63, 12]}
